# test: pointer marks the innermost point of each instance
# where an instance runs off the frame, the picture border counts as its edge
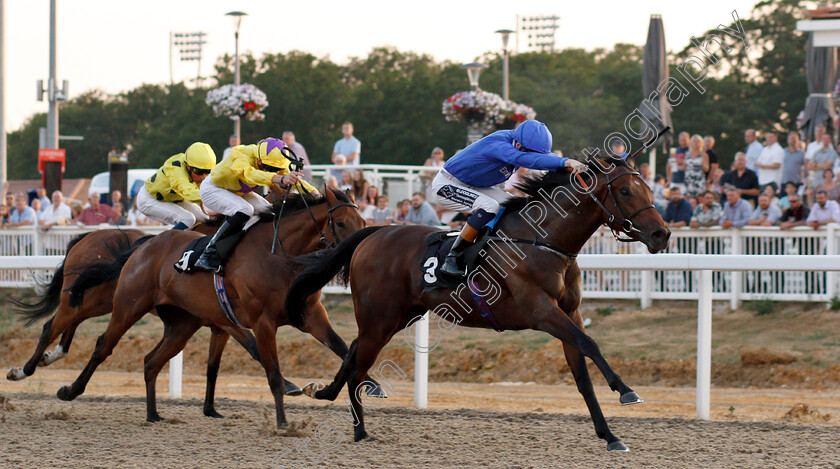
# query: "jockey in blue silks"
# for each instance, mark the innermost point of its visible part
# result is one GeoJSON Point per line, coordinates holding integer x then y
{"type": "Point", "coordinates": [473, 180]}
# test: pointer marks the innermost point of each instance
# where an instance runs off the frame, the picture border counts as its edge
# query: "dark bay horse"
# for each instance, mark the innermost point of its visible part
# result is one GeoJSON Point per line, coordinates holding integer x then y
{"type": "Point", "coordinates": [255, 280]}
{"type": "Point", "coordinates": [532, 280]}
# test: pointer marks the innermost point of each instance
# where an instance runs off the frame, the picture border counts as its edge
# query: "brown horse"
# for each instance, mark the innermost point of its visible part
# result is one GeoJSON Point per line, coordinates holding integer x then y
{"type": "Point", "coordinates": [532, 276]}
{"type": "Point", "coordinates": [71, 310]}
{"type": "Point", "coordinates": [256, 283]}
{"type": "Point", "coordinates": [82, 250]}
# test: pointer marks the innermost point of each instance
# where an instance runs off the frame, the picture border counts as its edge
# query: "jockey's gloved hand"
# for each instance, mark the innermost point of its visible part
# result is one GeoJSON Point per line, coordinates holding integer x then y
{"type": "Point", "coordinates": [287, 179]}
{"type": "Point", "coordinates": [575, 166]}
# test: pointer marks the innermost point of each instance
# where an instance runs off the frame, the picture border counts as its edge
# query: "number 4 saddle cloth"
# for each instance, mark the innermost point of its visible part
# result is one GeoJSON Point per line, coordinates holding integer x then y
{"type": "Point", "coordinates": [437, 247]}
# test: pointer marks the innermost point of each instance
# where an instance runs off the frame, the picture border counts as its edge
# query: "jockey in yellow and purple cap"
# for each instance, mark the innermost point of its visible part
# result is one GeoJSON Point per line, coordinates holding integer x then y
{"type": "Point", "coordinates": [230, 190]}
{"type": "Point", "coordinates": [171, 195]}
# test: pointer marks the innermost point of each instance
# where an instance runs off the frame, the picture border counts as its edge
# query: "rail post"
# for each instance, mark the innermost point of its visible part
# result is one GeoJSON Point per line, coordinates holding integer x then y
{"type": "Point", "coordinates": [704, 345]}
{"type": "Point", "coordinates": [831, 249]}
{"type": "Point", "coordinates": [421, 362]}
{"type": "Point", "coordinates": [735, 299]}
{"type": "Point", "coordinates": [176, 371]}
{"type": "Point", "coordinates": [647, 285]}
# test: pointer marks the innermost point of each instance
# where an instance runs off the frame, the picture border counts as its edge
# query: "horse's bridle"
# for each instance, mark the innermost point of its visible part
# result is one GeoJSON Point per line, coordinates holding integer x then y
{"type": "Point", "coordinates": [626, 226]}
{"type": "Point", "coordinates": [331, 222]}
{"type": "Point", "coordinates": [335, 240]}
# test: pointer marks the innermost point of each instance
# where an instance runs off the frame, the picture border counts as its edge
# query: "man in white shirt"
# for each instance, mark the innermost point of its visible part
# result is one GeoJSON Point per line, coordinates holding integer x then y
{"type": "Point", "coordinates": [299, 151]}
{"type": "Point", "coordinates": [45, 201]}
{"type": "Point", "coordinates": [349, 146]}
{"type": "Point", "coordinates": [58, 213]}
{"type": "Point", "coordinates": [770, 161]}
{"type": "Point", "coordinates": [816, 143]}
{"type": "Point", "coordinates": [824, 211]}
{"type": "Point", "coordinates": [753, 150]}
{"type": "Point", "coordinates": [233, 141]}
{"type": "Point", "coordinates": [820, 160]}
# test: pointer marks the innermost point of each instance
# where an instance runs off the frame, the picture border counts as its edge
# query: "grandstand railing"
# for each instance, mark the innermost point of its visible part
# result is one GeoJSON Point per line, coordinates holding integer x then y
{"type": "Point", "coordinates": [642, 285]}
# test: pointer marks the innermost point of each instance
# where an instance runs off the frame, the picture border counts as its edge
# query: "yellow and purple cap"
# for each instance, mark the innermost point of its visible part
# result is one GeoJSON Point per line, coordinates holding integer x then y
{"type": "Point", "coordinates": [272, 152]}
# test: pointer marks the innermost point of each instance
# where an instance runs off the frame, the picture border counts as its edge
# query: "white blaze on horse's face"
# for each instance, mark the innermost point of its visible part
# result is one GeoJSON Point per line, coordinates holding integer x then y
{"type": "Point", "coordinates": [636, 182]}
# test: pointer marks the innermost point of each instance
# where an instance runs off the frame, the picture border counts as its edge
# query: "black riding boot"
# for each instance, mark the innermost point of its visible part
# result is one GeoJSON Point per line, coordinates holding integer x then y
{"type": "Point", "coordinates": [209, 259]}
{"type": "Point", "coordinates": [450, 265]}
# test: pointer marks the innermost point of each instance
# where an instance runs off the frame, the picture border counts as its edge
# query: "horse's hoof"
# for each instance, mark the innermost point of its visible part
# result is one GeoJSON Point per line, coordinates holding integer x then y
{"type": "Point", "coordinates": [154, 418]}
{"type": "Point", "coordinates": [617, 445]}
{"type": "Point", "coordinates": [376, 391]}
{"type": "Point", "coordinates": [311, 388]}
{"type": "Point", "coordinates": [15, 374]}
{"type": "Point", "coordinates": [293, 389]}
{"type": "Point", "coordinates": [360, 435]}
{"type": "Point", "coordinates": [630, 398]}
{"type": "Point", "coordinates": [212, 413]}
{"type": "Point", "coordinates": [51, 357]}
{"type": "Point", "coordinates": [65, 394]}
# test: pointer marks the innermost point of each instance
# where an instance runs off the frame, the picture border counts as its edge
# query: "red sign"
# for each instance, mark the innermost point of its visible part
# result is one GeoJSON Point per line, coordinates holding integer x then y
{"type": "Point", "coordinates": [50, 154]}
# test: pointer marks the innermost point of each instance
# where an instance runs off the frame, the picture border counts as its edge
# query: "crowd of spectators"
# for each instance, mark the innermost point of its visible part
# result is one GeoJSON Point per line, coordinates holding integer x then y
{"type": "Point", "coordinates": [695, 192]}
{"type": "Point", "coordinates": [23, 209]}
{"type": "Point", "coordinates": [766, 185]}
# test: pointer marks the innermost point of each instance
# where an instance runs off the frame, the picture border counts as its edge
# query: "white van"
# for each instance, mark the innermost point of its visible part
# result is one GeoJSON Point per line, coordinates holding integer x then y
{"type": "Point", "coordinates": [136, 177]}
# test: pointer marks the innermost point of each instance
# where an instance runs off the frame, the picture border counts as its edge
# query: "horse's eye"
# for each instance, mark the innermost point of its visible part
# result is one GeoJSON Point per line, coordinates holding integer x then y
{"type": "Point", "coordinates": [624, 191]}
{"type": "Point", "coordinates": [339, 224]}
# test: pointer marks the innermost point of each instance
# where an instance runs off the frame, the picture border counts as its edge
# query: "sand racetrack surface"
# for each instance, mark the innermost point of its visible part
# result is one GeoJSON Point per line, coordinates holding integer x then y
{"type": "Point", "coordinates": [100, 431]}
{"type": "Point", "coordinates": [106, 432]}
{"type": "Point", "coordinates": [496, 400]}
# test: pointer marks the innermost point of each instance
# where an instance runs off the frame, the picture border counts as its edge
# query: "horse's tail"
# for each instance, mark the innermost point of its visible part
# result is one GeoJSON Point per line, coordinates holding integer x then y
{"type": "Point", "coordinates": [50, 299]}
{"type": "Point", "coordinates": [98, 273]}
{"type": "Point", "coordinates": [321, 267]}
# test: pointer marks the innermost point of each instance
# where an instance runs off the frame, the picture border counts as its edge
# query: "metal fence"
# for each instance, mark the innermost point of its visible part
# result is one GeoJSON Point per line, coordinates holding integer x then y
{"type": "Point", "coordinates": [643, 285]}
{"type": "Point", "coordinates": [34, 242]}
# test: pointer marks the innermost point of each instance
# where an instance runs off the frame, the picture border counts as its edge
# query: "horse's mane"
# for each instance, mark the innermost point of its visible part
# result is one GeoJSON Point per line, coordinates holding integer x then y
{"type": "Point", "coordinates": [534, 187]}
{"type": "Point", "coordinates": [294, 204]}
{"type": "Point", "coordinates": [298, 202]}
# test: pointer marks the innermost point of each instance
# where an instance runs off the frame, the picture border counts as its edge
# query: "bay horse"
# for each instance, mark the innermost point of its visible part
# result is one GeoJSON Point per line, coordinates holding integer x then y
{"type": "Point", "coordinates": [255, 281]}
{"type": "Point", "coordinates": [71, 310]}
{"type": "Point", "coordinates": [532, 274]}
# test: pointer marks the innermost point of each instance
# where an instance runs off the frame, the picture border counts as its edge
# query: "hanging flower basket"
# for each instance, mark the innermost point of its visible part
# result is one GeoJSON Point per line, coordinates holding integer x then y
{"type": "Point", "coordinates": [246, 101]}
{"type": "Point", "coordinates": [486, 109]}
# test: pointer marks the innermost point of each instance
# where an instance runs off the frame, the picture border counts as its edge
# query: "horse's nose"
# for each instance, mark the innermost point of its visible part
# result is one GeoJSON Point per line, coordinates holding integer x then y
{"type": "Point", "coordinates": [661, 234]}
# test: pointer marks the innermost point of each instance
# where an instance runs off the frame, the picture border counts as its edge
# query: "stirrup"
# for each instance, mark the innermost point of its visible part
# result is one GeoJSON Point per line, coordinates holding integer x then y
{"type": "Point", "coordinates": [203, 264]}
{"type": "Point", "coordinates": [450, 266]}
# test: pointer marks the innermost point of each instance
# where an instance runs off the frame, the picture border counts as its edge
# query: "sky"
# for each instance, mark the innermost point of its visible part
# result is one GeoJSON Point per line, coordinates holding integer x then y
{"type": "Point", "coordinates": [116, 45]}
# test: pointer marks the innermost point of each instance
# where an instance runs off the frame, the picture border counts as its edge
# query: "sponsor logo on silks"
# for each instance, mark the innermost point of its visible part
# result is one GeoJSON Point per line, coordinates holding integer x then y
{"type": "Point", "coordinates": [505, 171]}
{"type": "Point", "coordinates": [457, 194]}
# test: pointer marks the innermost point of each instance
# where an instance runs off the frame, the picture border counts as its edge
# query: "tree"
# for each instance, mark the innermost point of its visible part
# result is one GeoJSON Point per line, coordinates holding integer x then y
{"type": "Point", "coordinates": [763, 87]}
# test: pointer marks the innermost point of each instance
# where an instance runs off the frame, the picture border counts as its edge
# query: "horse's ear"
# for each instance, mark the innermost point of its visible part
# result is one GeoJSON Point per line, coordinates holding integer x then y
{"type": "Point", "coordinates": [328, 193]}
{"type": "Point", "coordinates": [631, 162]}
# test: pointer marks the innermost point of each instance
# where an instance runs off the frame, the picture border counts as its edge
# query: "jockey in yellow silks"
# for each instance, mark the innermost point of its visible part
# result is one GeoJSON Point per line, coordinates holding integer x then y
{"type": "Point", "coordinates": [230, 189]}
{"type": "Point", "coordinates": [171, 195]}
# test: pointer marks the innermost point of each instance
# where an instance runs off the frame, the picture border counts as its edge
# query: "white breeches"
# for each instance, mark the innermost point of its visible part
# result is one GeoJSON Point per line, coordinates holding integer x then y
{"type": "Point", "coordinates": [170, 213]}
{"type": "Point", "coordinates": [455, 195]}
{"type": "Point", "coordinates": [219, 200]}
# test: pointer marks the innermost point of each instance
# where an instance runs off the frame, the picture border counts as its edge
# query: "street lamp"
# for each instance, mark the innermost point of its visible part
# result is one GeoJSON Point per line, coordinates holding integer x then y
{"type": "Point", "coordinates": [236, 16]}
{"type": "Point", "coordinates": [473, 71]}
{"type": "Point", "coordinates": [505, 54]}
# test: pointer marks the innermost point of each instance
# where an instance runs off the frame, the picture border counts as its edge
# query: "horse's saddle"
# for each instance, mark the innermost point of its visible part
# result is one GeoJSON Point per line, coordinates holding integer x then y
{"type": "Point", "coordinates": [195, 247]}
{"type": "Point", "coordinates": [437, 247]}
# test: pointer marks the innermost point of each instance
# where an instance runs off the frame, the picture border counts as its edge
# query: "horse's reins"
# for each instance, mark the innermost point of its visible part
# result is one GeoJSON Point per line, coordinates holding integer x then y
{"type": "Point", "coordinates": [627, 226]}
{"type": "Point", "coordinates": [277, 218]}
{"type": "Point", "coordinates": [296, 164]}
